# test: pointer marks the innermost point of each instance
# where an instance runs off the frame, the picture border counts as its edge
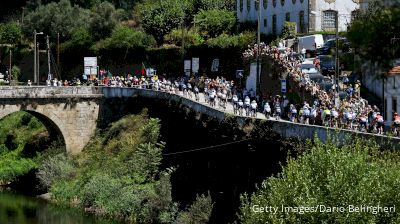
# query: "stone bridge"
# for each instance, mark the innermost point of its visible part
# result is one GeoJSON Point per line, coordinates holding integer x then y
{"type": "Point", "coordinates": [70, 113]}
{"type": "Point", "coordinates": [73, 112]}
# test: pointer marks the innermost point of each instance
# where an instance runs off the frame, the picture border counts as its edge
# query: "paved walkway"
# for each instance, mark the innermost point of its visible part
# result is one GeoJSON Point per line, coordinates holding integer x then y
{"type": "Point", "coordinates": [228, 109]}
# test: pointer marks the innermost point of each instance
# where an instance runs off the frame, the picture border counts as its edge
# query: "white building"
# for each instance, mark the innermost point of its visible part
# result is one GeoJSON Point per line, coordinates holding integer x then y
{"type": "Point", "coordinates": [387, 89]}
{"type": "Point", "coordinates": [274, 13]}
{"type": "Point", "coordinates": [323, 14]}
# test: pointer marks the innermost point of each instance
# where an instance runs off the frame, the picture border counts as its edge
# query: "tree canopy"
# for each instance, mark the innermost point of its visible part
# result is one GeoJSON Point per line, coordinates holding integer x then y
{"type": "Point", "coordinates": [327, 176]}
{"type": "Point", "coordinates": [10, 33]}
{"type": "Point", "coordinates": [55, 18]}
{"type": "Point", "coordinates": [376, 34]}
{"type": "Point", "coordinates": [212, 23]}
{"type": "Point", "coordinates": [160, 18]}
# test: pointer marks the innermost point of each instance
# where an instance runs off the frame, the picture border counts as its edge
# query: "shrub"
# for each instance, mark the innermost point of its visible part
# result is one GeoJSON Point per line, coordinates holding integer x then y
{"type": "Point", "coordinates": [199, 212]}
{"type": "Point", "coordinates": [12, 167]}
{"type": "Point", "coordinates": [191, 37]}
{"type": "Point", "coordinates": [214, 22]}
{"type": "Point", "coordinates": [54, 168]}
{"type": "Point", "coordinates": [65, 191]}
{"type": "Point", "coordinates": [356, 174]}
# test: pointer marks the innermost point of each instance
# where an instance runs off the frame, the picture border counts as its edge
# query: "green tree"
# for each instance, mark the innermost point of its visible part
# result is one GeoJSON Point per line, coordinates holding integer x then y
{"type": "Point", "coordinates": [15, 72]}
{"type": "Point", "coordinates": [212, 23]}
{"type": "Point", "coordinates": [356, 174]}
{"type": "Point", "coordinates": [123, 41]}
{"type": "Point", "coordinates": [159, 17]}
{"type": "Point", "coordinates": [53, 18]}
{"type": "Point", "coordinates": [118, 175]}
{"type": "Point", "coordinates": [103, 20]}
{"type": "Point", "coordinates": [289, 30]}
{"type": "Point", "coordinates": [374, 32]}
{"type": "Point", "coordinates": [81, 41]}
{"type": "Point", "coordinates": [10, 33]}
{"type": "Point", "coordinates": [199, 212]}
{"type": "Point", "coordinates": [191, 37]}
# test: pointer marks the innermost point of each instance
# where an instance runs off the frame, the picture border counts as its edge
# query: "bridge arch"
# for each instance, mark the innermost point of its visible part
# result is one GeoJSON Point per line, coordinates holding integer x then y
{"type": "Point", "coordinates": [74, 122]}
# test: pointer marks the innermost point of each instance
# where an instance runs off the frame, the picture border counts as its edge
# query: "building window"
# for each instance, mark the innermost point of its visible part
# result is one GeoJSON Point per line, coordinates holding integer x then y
{"type": "Point", "coordinates": [265, 22]}
{"type": "Point", "coordinates": [274, 24]}
{"type": "Point", "coordinates": [256, 4]}
{"type": "Point", "coordinates": [294, 1]}
{"type": "Point", "coordinates": [301, 1]}
{"type": "Point", "coordinates": [329, 19]}
{"type": "Point", "coordinates": [248, 5]}
{"type": "Point", "coordinates": [301, 21]}
{"type": "Point", "coordinates": [241, 5]}
{"type": "Point", "coordinates": [288, 17]}
{"type": "Point", "coordinates": [274, 3]}
{"type": "Point", "coordinates": [265, 3]}
{"type": "Point", "coordinates": [282, 2]}
{"type": "Point", "coordinates": [394, 104]}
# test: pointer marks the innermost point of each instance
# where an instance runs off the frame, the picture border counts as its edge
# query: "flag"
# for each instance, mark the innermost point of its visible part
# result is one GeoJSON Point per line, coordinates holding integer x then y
{"type": "Point", "coordinates": [109, 74]}
{"type": "Point", "coordinates": [143, 70]}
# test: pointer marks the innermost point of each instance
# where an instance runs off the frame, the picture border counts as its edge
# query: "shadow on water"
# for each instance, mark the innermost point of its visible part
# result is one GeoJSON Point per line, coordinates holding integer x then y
{"type": "Point", "coordinates": [225, 171]}
{"type": "Point", "coordinates": [16, 208]}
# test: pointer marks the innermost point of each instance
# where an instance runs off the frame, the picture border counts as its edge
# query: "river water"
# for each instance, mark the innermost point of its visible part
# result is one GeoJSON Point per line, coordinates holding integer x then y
{"type": "Point", "coordinates": [19, 209]}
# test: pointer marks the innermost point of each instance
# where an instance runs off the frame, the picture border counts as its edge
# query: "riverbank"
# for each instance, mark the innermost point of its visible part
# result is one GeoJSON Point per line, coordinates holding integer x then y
{"type": "Point", "coordinates": [117, 175]}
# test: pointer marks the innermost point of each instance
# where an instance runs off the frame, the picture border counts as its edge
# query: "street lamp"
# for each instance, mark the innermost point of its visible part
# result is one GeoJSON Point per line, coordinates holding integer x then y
{"type": "Point", "coordinates": [337, 51]}
{"type": "Point", "coordinates": [258, 90]}
{"type": "Point", "coordinates": [35, 62]}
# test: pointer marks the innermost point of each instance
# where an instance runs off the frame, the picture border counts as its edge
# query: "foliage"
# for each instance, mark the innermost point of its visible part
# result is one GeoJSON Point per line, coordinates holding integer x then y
{"type": "Point", "coordinates": [289, 30]}
{"type": "Point", "coordinates": [15, 133]}
{"type": "Point", "coordinates": [54, 168]}
{"type": "Point", "coordinates": [10, 33]}
{"type": "Point", "coordinates": [227, 41]}
{"type": "Point", "coordinates": [191, 37]}
{"type": "Point", "coordinates": [12, 166]}
{"type": "Point", "coordinates": [372, 32]}
{"type": "Point", "coordinates": [118, 174]}
{"type": "Point", "coordinates": [125, 38]}
{"type": "Point", "coordinates": [80, 42]}
{"type": "Point", "coordinates": [223, 41]}
{"type": "Point", "coordinates": [214, 4]}
{"type": "Point", "coordinates": [16, 72]}
{"type": "Point", "coordinates": [356, 174]}
{"type": "Point", "coordinates": [103, 20]}
{"type": "Point", "coordinates": [212, 23]}
{"type": "Point", "coordinates": [199, 212]}
{"type": "Point", "coordinates": [159, 17]}
{"type": "Point", "coordinates": [53, 18]}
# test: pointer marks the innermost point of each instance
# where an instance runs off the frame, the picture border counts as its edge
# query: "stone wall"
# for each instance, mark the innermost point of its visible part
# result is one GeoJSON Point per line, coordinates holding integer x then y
{"type": "Point", "coordinates": [71, 113]}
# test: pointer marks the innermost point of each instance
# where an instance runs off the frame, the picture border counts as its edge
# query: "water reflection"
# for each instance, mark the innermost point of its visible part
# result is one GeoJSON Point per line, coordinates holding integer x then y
{"type": "Point", "coordinates": [20, 209]}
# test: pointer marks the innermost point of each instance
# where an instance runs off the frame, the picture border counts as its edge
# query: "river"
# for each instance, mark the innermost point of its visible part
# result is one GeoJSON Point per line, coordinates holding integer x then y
{"type": "Point", "coordinates": [19, 209]}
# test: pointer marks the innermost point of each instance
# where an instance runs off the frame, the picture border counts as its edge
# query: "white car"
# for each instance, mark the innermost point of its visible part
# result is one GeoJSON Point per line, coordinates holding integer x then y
{"type": "Point", "coordinates": [307, 68]}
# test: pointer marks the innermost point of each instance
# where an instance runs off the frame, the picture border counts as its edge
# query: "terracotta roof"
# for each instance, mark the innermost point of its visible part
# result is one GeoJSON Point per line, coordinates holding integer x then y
{"type": "Point", "coordinates": [394, 71]}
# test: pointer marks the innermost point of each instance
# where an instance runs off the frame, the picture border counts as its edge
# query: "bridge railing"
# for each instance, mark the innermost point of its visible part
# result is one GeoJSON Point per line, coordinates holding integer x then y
{"type": "Point", "coordinates": [49, 92]}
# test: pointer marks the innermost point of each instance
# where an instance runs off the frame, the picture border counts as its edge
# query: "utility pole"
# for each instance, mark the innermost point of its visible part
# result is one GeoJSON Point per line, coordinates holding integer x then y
{"type": "Point", "coordinates": [258, 86]}
{"type": "Point", "coordinates": [48, 58]}
{"type": "Point", "coordinates": [10, 70]}
{"type": "Point", "coordinates": [337, 52]}
{"type": "Point", "coordinates": [58, 49]}
{"type": "Point", "coordinates": [34, 58]}
{"type": "Point", "coordinates": [38, 63]}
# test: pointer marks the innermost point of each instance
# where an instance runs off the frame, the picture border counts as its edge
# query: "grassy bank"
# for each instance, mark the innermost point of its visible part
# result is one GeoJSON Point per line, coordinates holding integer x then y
{"type": "Point", "coordinates": [118, 175]}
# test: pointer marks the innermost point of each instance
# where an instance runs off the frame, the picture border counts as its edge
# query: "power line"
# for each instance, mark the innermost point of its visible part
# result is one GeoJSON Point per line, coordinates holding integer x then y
{"type": "Point", "coordinates": [207, 147]}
